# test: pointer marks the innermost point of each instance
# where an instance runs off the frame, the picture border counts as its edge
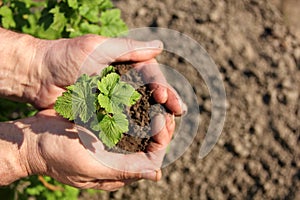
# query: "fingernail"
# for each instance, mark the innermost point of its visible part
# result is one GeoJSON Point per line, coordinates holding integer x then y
{"type": "Point", "coordinates": [171, 117]}
{"type": "Point", "coordinates": [150, 176]}
{"type": "Point", "coordinates": [184, 108]}
{"type": "Point", "coordinates": [156, 44]}
{"type": "Point", "coordinates": [157, 124]}
{"type": "Point", "coordinates": [153, 175]}
{"type": "Point", "coordinates": [158, 175]}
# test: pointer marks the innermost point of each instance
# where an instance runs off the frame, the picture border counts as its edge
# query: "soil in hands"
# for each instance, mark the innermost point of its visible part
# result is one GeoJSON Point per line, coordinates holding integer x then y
{"type": "Point", "coordinates": [139, 135]}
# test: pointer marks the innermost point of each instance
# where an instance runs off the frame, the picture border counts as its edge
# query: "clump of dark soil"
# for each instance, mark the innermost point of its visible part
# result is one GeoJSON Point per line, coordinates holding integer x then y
{"type": "Point", "coordinates": [138, 136]}
{"type": "Point", "coordinates": [139, 121]}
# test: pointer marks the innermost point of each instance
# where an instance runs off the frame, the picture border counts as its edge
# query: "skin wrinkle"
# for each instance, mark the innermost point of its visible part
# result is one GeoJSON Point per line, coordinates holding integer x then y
{"type": "Point", "coordinates": [37, 164]}
{"type": "Point", "coordinates": [87, 59]}
{"type": "Point", "coordinates": [5, 164]}
{"type": "Point", "coordinates": [4, 74]}
{"type": "Point", "coordinates": [12, 163]}
{"type": "Point", "coordinates": [20, 66]}
{"type": "Point", "coordinates": [44, 74]}
{"type": "Point", "coordinates": [36, 74]}
{"type": "Point", "coordinates": [72, 62]}
{"type": "Point", "coordinates": [8, 77]}
{"type": "Point", "coordinates": [33, 74]}
{"type": "Point", "coordinates": [23, 156]}
{"type": "Point", "coordinates": [58, 63]}
{"type": "Point", "coordinates": [14, 81]}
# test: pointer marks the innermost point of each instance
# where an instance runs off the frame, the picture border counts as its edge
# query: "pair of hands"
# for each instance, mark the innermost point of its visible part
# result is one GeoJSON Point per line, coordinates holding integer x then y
{"type": "Point", "coordinates": [54, 141]}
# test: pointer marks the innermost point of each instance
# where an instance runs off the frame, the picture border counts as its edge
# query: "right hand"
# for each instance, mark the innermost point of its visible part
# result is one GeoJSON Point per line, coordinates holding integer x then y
{"type": "Point", "coordinates": [54, 149]}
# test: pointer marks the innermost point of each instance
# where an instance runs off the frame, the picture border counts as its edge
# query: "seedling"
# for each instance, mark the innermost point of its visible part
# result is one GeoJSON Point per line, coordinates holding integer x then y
{"type": "Point", "coordinates": [99, 102]}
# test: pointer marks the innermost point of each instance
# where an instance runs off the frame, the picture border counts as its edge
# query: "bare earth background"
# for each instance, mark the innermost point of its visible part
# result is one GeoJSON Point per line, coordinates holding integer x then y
{"type": "Point", "coordinates": [256, 45]}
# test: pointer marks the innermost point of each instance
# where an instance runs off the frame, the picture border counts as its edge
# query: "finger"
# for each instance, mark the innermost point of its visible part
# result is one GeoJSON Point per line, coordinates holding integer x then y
{"type": "Point", "coordinates": [129, 166]}
{"type": "Point", "coordinates": [163, 93]}
{"type": "Point", "coordinates": [124, 50]}
{"type": "Point", "coordinates": [114, 166]}
{"type": "Point", "coordinates": [112, 185]}
{"type": "Point", "coordinates": [174, 103]}
{"type": "Point", "coordinates": [109, 185]}
{"type": "Point", "coordinates": [52, 114]}
{"type": "Point", "coordinates": [49, 113]}
{"type": "Point", "coordinates": [153, 76]}
{"type": "Point", "coordinates": [48, 97]}
{"type": "Point", "coordinates": [138, 51]}
{"type": "Point", "coordinates": [162, 138]}
{"type": "Point", "coordinates": [157, 124]}
{"type": "Point", "coordinates": [154, 175]}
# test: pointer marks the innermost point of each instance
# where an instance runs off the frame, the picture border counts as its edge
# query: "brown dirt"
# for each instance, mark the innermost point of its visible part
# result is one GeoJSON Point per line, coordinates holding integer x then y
{"type": "Point", "coordinates": [137, 138]}
{"type": "Point", "coordinates": [139, 121]}
{"type": "Point", "coordinates": [139, 115]}
{"type": "Point", "coordinates": [258, 54]}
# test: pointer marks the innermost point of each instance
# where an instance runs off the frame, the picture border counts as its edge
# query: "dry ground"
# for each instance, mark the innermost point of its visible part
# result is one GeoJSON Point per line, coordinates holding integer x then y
{"type": "Point", "coordinates": [256, 45]}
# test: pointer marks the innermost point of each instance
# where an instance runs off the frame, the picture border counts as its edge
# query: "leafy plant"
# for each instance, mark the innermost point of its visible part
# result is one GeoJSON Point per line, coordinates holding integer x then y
{"type": "Point", "coordinates": [54, 19]}
{"type": "Point", "coordinates": [99, 102]}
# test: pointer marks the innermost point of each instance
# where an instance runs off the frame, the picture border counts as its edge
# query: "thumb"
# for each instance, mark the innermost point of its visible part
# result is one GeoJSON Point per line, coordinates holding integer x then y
{"type": "Point", "coordinates": [125, 50]}
{"type": "Point", "coordinates": [135, 165]}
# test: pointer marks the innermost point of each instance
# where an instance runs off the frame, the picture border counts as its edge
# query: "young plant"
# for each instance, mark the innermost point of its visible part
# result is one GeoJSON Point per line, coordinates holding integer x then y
{"type": "Point", "coordinates": [99, 102]}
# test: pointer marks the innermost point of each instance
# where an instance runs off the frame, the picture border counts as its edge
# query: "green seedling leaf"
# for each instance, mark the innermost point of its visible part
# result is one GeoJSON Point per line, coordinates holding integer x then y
{"type": "Point", "coordinates": [134, 98]}
{"type": "Point", "coordinates": [112, 128]}
{"type": "Point", "coordinates": [105, 103]}
{"type": "Point", "coordinates": [64, 106]}
{"type": "Point", "coordinates": [95, 125]}
{"type": "Point", "coordinates": [107, 83]}
{"type": "Point", "coordinates": [107, 70]}
{"type": "Point", "coordinates": [93, 81]}
{"type": "Point", "coordinates": [115, 94]}
{"type": "Point", "coordinates": [123, 93]}
{"type": "Point", "coordinates": [104, 95]}
{"type": "Point", "coordinates": [77, 101]}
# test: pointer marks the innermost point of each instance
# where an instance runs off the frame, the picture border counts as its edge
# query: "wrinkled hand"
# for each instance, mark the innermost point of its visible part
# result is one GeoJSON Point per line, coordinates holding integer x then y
{"type": "Point", "coordinates": [65, 60]}
{"type": "Point", "coordinates": [55, 150]}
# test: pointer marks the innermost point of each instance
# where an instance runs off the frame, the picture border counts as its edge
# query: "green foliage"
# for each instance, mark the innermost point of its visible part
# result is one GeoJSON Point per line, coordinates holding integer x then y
{"type": "Point", "coordinates": [107, 103]}
{"type": "Point", "coordinates": [31, 187]}
{"type": "Point", "coordinates": [54, 19]}
{"type": "Point", "coordinates": [112, 127]}
{"type": "Point", "coordinates": [10, 110]}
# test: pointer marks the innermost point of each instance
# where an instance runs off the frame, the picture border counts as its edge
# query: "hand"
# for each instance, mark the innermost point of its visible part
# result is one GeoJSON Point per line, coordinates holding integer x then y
{"type": "Point", "coordinates": [63, 61]}
{"type": "Point", "coordinates": [66, 59]}
{"type": "Point", "coordinates": [37, 71]}
{"type": "Point", "coordinates": [54, 149]}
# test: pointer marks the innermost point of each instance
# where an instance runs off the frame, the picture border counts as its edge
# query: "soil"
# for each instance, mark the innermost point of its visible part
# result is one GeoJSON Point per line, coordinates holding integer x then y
{"type": "Point", "coordinates": [139, 121]}
{"type": "Point", "coordinates": [258, 54]}
{"type": "Point", "coordinates": [139, 115]}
